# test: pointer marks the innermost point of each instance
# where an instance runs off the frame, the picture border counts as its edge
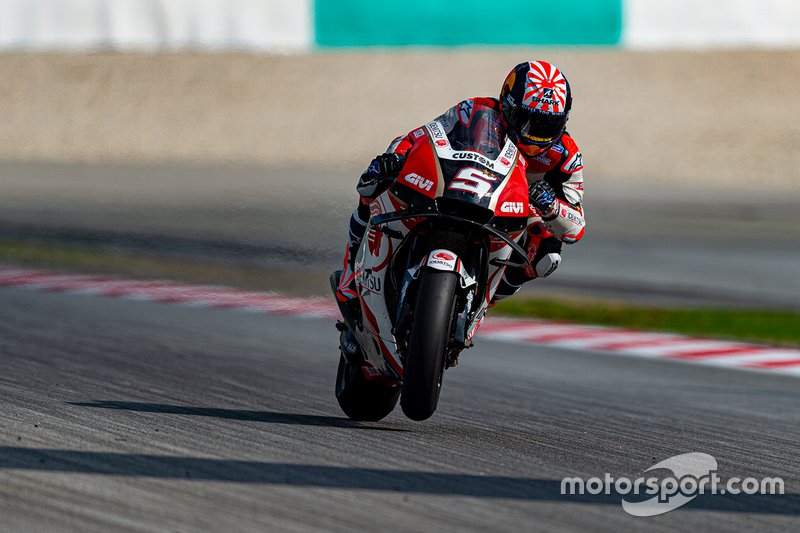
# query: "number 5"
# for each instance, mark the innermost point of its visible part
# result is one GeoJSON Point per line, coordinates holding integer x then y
{"type": "Point", "coordinates": [472, 180]}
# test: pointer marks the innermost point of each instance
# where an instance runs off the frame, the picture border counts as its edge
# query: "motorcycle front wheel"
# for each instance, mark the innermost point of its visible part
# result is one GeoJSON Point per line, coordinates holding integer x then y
{"type": "Point", "coordinates": [427, 344]}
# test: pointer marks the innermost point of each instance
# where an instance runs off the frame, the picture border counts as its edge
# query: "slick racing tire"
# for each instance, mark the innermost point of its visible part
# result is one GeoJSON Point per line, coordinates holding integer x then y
{"type": "Point", "coordinates": [361, 399]}
{"type": "Point", "coordinates": [427, 344]}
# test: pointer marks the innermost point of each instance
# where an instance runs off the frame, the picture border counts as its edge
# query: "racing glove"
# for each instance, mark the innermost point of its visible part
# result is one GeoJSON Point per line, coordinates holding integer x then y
{"type": "Point", "coordinates": [543, 198]}
{"type": "Point", "coordinates": [382, 169]}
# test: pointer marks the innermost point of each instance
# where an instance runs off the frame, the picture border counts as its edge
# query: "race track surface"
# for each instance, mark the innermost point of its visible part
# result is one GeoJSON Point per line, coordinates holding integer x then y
{"type": "Point", "coordinates": [135, 416]}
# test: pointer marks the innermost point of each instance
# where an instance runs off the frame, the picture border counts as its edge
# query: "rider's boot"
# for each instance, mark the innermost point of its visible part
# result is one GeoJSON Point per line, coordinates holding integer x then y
{"type": "Point", "coordinates": [346, 287]}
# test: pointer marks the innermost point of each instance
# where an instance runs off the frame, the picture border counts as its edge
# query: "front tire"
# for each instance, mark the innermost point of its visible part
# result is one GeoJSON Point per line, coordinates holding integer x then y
{"type": "Point", "coordinates": [361, 399]}
{"type": "Point", "coordinates": [427, 344]}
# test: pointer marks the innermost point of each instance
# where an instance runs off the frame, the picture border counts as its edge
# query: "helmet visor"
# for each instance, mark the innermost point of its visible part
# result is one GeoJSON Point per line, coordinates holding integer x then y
{"type": "Point", "coordinates": [536, 127]}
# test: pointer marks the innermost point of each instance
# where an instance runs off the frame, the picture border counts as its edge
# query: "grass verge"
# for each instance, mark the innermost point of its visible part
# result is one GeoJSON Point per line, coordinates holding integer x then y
{"type": "Point", "coordinates": [135, 265]}
{"type": "Point", "coordinates": [780, 327]}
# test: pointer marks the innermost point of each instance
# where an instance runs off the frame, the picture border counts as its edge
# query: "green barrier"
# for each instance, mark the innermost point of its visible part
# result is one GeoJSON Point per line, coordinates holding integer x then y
{"type": "Point", "coordinates": [467, 22]}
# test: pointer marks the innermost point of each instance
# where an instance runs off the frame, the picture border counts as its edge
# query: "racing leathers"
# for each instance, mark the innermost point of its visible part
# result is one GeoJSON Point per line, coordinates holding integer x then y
{"type": "Point", "coordinates": [555, 179]}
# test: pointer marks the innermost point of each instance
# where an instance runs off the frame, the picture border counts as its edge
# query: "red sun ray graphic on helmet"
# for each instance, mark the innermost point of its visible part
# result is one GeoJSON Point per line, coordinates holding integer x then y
{"type": "Point", "coordinates": [546, 88]}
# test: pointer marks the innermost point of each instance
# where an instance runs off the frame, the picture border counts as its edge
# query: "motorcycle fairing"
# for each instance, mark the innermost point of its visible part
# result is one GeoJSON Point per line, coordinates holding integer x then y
{"type": "Point", "coordinates": [495, 185]}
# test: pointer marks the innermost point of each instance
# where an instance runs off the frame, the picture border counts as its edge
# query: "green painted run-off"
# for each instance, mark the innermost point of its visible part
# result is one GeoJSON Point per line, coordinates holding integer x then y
{"type": "Point", "coordinates": [467, 22]}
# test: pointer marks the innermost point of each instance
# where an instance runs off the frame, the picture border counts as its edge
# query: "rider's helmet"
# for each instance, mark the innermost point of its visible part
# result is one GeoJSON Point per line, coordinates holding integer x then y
{"type": "Point", "coordinates": [535, 100]}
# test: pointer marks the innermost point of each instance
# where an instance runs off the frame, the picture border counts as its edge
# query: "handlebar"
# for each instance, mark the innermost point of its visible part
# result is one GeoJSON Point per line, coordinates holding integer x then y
{"type": "Point", "coordinates": [381, 220]}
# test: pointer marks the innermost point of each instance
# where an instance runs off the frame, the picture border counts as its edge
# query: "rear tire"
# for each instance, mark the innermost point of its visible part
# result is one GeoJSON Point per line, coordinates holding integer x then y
{"type": "Point", "coordinates": [361, 399]}
{"type": "Point", "coordinates": [427, 344]}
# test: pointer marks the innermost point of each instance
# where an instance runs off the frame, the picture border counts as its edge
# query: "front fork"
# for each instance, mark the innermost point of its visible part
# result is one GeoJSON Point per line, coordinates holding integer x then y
{"type": "Point", "coordinates": [446, 261]}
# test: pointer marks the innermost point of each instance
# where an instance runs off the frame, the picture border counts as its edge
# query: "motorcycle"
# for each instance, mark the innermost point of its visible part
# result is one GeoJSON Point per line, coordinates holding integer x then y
{"type": "Point", "coordinates": [436, 246]}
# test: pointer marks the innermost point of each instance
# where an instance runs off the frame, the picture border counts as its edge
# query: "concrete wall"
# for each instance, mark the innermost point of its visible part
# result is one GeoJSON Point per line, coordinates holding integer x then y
{"type": "Point", "coordinates": [714, 118]}
{"type": "Point", "coordinates": [292, 25]}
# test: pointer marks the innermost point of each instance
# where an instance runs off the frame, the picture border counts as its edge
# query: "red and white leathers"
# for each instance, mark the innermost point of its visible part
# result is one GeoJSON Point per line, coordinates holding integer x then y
{"type": "Point", "coordinates": [561, 166]}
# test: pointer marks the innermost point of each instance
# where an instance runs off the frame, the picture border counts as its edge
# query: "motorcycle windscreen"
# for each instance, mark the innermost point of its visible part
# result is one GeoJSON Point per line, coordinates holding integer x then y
{"type": "Point", "coordinates": [475, 156]}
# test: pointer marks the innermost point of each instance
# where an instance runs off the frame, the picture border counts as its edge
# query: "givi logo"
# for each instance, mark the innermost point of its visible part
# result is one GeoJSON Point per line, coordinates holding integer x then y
{"type": "Point", "coordinates": [512, 207]}
{"type": "Point", "coordinates": [418, 181]}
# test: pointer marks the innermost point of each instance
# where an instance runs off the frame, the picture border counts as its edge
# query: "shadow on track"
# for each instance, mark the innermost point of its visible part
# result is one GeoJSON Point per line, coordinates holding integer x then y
{"type": "Point", "coordinates": [236, 414]}
{"type": "Point", "coordinates": [338, 477]}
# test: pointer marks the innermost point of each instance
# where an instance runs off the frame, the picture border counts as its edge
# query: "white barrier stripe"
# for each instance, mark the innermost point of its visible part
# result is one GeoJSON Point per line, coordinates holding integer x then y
{"type": "Point", "coordinates": [265, 25]}
{"type": "Point", "coordinates": [700, 24]}
{"type": "Point", "coordinates": [632, 343]}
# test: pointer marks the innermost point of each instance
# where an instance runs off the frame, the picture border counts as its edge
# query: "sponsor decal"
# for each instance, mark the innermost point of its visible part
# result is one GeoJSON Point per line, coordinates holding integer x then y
{"type": "Point", "coordinates": [370, 281]}
{"type": "Point", "coordinates": [350, 347]}
{"type": "Point", "coordinates": [447, 265]}
{"type": "Point", "coordinates": [505, 162]}
{"type": "Point", "coordinates": [558, 148]}
{"type": "Point", "coordinates": [511, 151]}
{"type": "Point", "coordinates": [423, 184]}
{"type": "Point", "coordinates": [512, 207]}
{"type": "Point", "coordinates": [441, 142]}
{"type": "Point", "coordinates": [544, 160]}
{"type": "Point", "coordinates": [575, 219]}
{"type": "Point", "coordinates": [442, 260]}
{"type": "Point", "coordinates": [435, 130]}
{"type": "Point", "coordinates": [419, 133]}
{"type": "Point", "coordinates": [473, 156]}
{"type": "Point", "coordinates": [575, 163]}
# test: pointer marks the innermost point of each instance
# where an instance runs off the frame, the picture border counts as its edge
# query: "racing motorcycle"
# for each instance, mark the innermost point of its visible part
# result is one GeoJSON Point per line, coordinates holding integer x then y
{"type": "Point", "coordinates": [436, 246]}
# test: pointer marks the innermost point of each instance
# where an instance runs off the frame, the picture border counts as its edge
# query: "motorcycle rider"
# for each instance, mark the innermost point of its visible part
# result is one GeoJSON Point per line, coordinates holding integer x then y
{"type": "Point", "coordinates": [535, 102]}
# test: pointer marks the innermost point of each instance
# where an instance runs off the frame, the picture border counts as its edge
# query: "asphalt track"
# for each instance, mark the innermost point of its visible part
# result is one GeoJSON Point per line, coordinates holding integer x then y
{"type": "Point", "coordinates": [125, 415]}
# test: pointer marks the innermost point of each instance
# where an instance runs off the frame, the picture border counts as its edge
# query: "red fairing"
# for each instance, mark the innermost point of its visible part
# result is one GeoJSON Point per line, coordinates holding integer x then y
{"type": "Point", "coordinates": [420, 171]}
{"type": "Point", "coordinates": [484, 101]}
{"type": "Point", "coordinates": [513, 199]}
{"type": "Point", "coordinates": [402, 145]}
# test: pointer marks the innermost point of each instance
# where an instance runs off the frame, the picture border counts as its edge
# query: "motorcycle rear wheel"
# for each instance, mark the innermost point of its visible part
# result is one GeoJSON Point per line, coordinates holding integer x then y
{"type": "Point", "coordinates": [427, 344]}
{"type": "Point", "coordinates": [361, 399]}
